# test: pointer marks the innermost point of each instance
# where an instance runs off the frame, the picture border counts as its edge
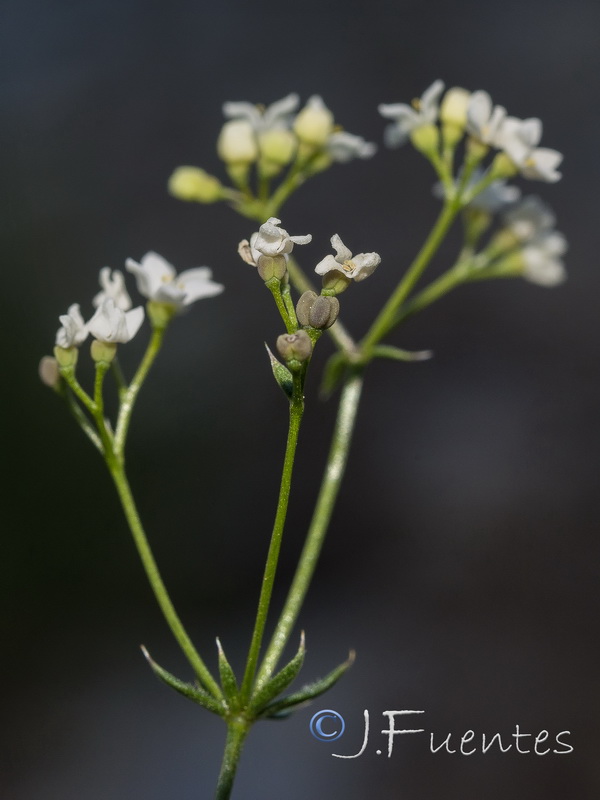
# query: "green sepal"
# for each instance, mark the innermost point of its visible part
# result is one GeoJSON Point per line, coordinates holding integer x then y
{"type": "Point", "coordinates": [189, 690]}
{"type": "Point", "coordinates": [281, 708]}
{"type": "Point", "coordinates": [282, 375]}
{"type": "Point", "coordinates": [396, 354]}
{"type": "Point", "coordinates": [280, 681]}
{"type": "Point", "coordinates": [332, 375]}
{"type": "Point", "coordinates": [228, 679]}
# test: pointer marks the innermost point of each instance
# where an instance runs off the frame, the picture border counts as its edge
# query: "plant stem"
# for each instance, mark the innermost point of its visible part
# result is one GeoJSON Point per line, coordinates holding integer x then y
{"type": "Point", "coordinates": [334, 472]}
{"type": "Point", "coordinates": [156, 582]}
{"type": "Point", "coordinates": [296, 412]}
{"type": "Point", "coordinates": [237, 730]}
{"type": "Point", "coordinates": [129, 397]}
{"type": "Point", "coordinates": [385, 320]}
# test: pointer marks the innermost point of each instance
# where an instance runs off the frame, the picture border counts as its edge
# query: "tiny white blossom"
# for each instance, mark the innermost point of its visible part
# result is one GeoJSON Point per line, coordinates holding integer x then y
{"type": "Point", "coordinates": [484, 120]}
{"type": "Point", "coordinates": [113, 287]}
{"type": "Point", "coordinates": [271, 240]}
{"type": "Point", "coordinates": [74, 330]}
{"type": "Point", "coordinates": [343, 146]}
{"type": "Point", "coordinates": [407, 118]}
{"type": "Point", "coordinates": [530, 218]}
{"type": "Point", "coordinates": [277, 115]}
{"type": "Point", "coordinates": [158, 281]}
{"type": "Point", "coordinates": [358, 267]}
{"type": "Point", "coordinates": [519, 139]}
{"type": "Point", "coordinates": [542, 259]}
{"type": "Point", "coordinates": [113, 325]}
{"type": "Point", "coordinates": [314, 124]}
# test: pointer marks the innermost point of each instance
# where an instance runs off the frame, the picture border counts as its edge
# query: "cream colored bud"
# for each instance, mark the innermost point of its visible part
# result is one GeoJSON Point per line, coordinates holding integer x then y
{"type": "Point", "coordinates": [193, 183]}
{"type": "Point", "coordinates": [453, 110]}
{"type": "Point", "coordinates": [277, 145]}
{"type": "Point", "coordinates": [426, 139]}
{"type": "Point", "coordinates": [237, 143]}
{"type": "Point", "coordinates": [314, 124]}
{"type": "Point", "coordinates": [49, 372]}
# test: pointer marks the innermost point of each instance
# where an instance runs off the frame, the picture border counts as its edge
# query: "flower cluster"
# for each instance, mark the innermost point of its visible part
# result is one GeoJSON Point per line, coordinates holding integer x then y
{"type": "Point", "coordinates": [486, 124]}
{"type": "Point", "coordinates": [114, 321]}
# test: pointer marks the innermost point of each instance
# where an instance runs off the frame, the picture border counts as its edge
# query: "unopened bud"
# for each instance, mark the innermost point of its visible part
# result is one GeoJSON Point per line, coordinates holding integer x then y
{"type": "Point", "coordinates": [237, 143]}
{"type": "Point", "coordinates": [453, 114]}
{"type": "Point", "coordinates": [314, 124]}
{"type": "Point", "coordinates": [272, 267]}
{"type": "Point", "coordinates": [193, 183]}
{"type": "Point", "coordinates": [317, 311]}
{"type": "Point", "coordinates": [48, 372]}
{"type": "Point", "coordinates": [277, 145]}
{"type": "Point", "coordinates": [103, 351]}
{"type": "Point", "coordinates": [294, 346]}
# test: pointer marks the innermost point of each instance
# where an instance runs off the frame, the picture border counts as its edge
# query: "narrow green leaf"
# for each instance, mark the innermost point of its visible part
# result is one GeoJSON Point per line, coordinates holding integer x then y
{"type": "Point", "coordinates": [228, 680]}
{"type": "Point", "coordinates": [332, 375]}
{"type": "Point", "coordinates": [281, 374]}
{"type": "Point", "coordinates": [280, 681]}
{"type": "Point", "coordinates": [194, 693]}
{"type": "Point", "coordinates": [283, 707]}
{"type": "Point", "coordinates": [395, 353]}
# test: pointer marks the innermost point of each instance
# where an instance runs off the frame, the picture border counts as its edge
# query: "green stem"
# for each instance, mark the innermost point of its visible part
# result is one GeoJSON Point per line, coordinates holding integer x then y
{"type": "Point", "coordinates": [156, 582]}
{"type": "Point", "coordinates": [334, 472]}
{"type": "Point", "coordinates": [129, 397]}
{"type": "Point", "coordinates": [385, 320]}
{"type": "Point", "coordinates": [237, 730]}
{"type": "Point", "coordinates": [274, 286]}
{"type": "Point", "coordinates": [296, 412]}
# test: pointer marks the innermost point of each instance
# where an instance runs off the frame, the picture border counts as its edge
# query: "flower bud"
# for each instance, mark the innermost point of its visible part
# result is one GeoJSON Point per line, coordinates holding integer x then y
{"type": "Point", "coordinates": [237, 143]}
{"type": "Point", "coordinates": [277, 145]}
{"type": "Point", "coordinates": [453, 114]}
{"type": "Point", "coordinates": [103, 351]}
{"type": "Point", "coordinates": [193, 183]}
{"type": "Point", "coordinates": [426, 139]}
{"type": "Point", "coordinates": [317, 311]}
{"type": "Point", "coordinates": [314, 124]}
{"type": "Point", "coordinates": [271, 267]}
{"type": "Point", "coordinates": [294, 346]}
{"type": "Point", "coordinates": [49, 372]}
{"type": "Point", "coordinates": [66, 356]}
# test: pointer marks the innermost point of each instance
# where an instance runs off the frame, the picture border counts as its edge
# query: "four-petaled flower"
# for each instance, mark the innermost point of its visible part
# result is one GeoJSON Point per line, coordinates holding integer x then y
{"type": "Point", "coordinates": [74, 330]}
{"type": "Point", "coordinates": [113, 325]}
{"type": "Point", "coordinates": [277, 115]}
{"type": "Point", "coordinates": [113, 287]}
{"type": "Point", "coordinates": [158, 281]}
{"type": "Point", "coordinates": [358, 267]}
{"type": "Point", "coordinates": [519, 139]}
{"type": "Point", "coordinates": [407, 118]}
{"type": "Point", "coordinates": [529, 219]}
{"type": "Point", "coordinates": [542, 259]}
{"type": "Point", "coordinates": [484, 120]}
{"type": "Point", "coordinates": [272, 240]}
{"type": "Point", "coordinates": [343, 146]}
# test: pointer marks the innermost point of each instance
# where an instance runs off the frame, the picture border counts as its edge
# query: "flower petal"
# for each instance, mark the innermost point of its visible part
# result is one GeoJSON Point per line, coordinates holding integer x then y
{"type": "Point", "coordinates": [343, 253]}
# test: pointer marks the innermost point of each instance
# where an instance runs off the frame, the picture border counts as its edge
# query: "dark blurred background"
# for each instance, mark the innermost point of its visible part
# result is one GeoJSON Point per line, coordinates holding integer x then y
{"type": "Point", "coordinates": [462, 562]}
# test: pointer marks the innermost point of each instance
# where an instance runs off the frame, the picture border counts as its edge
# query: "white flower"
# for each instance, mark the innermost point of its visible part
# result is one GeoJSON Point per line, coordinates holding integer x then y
{"type": "Point", "coordinates": [530, 218]}
{"type": "Point", "coordinates": [358, 268]}
{"type": "Point", "coordinates": [343, 146]}
{"type": "Point", "coordinates": [113, 287]}
{"type": "Point", "coordinates": [111, 324]}
{"type": "Point", "coordinates": [484, 120]}
{"type": "Point", "coordinates": [274, 241]}
{"type": "Point", "coordinates": [407, 118]}
{"type": "Point", "coordinates": [74, 330]}
{"type": "Point", "coordinates": [519, 138]}
{"type": "Point", "coordinates": [158, 281]}
{"type": "Point", "coordinates": [277, 115]}
{"type": "Point", "coordinates": [542, 259]}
